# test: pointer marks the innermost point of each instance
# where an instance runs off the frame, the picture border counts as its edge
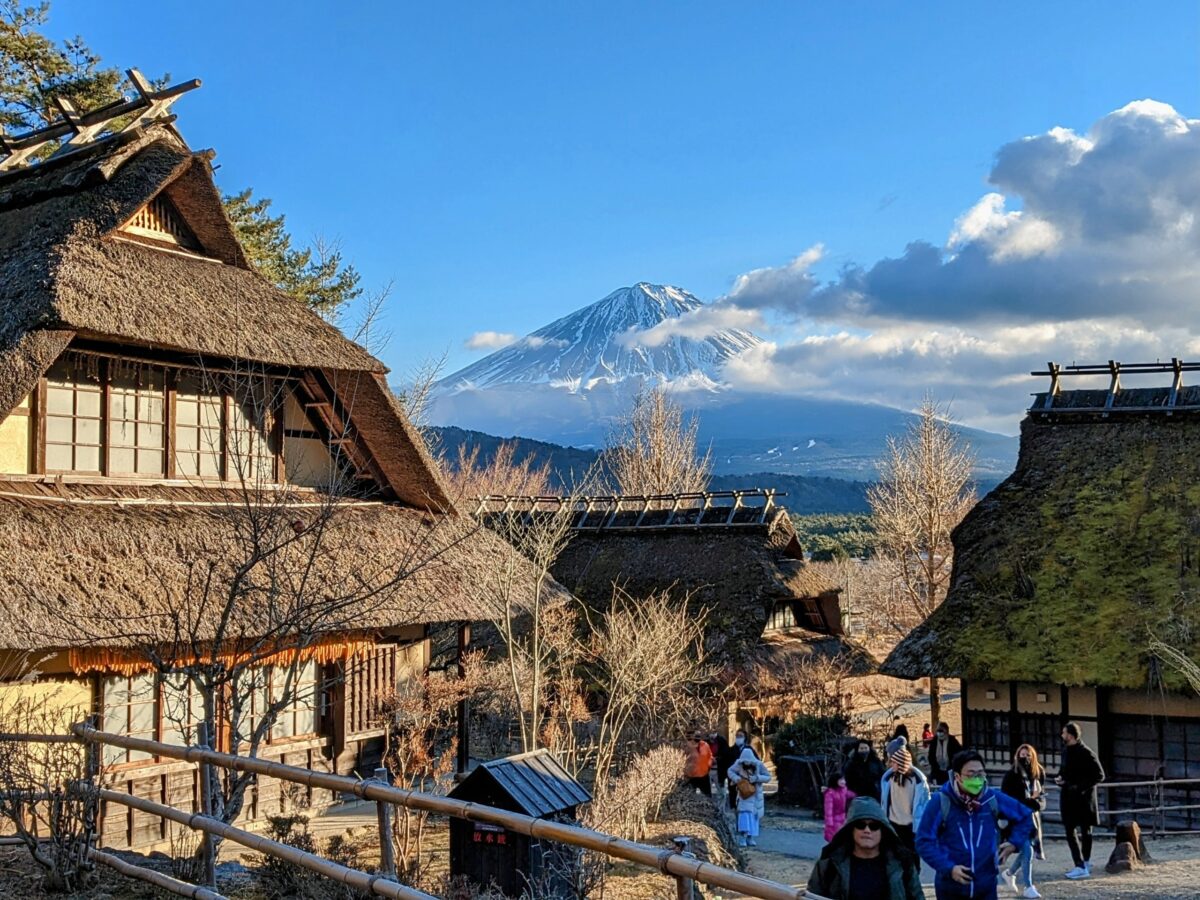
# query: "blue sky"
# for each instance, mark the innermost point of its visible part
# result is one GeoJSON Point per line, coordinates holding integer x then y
{"type": "Point", "coordinates": [504, 163]}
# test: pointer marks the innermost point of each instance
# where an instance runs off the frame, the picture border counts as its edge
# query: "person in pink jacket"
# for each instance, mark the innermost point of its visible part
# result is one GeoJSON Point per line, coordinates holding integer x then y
{"type": "Point", "coordinates": [837, 800]}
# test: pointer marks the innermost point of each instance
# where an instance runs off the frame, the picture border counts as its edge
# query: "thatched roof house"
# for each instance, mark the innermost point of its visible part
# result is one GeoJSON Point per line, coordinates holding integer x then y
{"type": "Point", "coordinates": [1064, 574]}
{"type": "Point", "coordinates": [733, 554]}
{"type": "Point", "coordinates": [170, 421]}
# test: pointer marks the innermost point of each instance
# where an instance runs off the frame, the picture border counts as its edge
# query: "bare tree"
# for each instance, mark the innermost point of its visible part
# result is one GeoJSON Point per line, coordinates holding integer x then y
{"type": "Point", "coordinates": [653, 449]}
{"type": "Point", "coordinates": [923, 492]}
{"type": "Point", "coordinates": [501, 476]}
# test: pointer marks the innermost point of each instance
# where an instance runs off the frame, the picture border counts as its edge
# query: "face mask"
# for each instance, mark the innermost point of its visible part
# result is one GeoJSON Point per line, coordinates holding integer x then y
{"type": "Point", "coordinates": [1025, 764]}
{"type": "Point", "coordinates": [975, 785]}
{"type": "Point", "coordinates": [739, 741]}
{"type": "Point", "coordinates": [863, 752]}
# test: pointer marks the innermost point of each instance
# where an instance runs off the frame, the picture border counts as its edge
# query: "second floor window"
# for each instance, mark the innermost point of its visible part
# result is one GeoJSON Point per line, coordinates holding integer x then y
{"type": "Point", "coordinates": [74, 420]}
{"type": "Point", "coordinates": [136, 420]}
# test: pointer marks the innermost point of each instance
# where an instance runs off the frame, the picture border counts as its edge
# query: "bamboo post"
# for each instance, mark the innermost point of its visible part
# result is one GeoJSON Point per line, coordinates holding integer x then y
{"type": "Point", "coordinates": [206, 804]}
{"type": "Point", "coordinates": [684, 886]}
{"type": "Point", "coordinates": [158, 879]}
{"type": "Point", "coordinates": [383, 811]}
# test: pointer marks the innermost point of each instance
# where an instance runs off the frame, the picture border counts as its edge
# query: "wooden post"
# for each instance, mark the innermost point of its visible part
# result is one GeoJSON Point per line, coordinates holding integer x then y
{"type": "Point", "coordinates": [206, 807]}
{"type": "Point", "coordinates": [464, 705]}
{"type": "Point", "coordinates": [383, 812]}
{"type": "Point", "coordinates": [684, 886]}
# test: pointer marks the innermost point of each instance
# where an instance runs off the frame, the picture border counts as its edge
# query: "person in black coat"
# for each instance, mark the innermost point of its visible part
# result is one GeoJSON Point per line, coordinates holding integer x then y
{"type": "Point", "coordinates": [942, 750]}
{"type": "Point", "coordinates": [1078, 777]}
{"type": "Point", "coordinates": [720, 749]}
{"type": "Point", "coordinates": [863, 770]}
{"type": "Point", "coordinates": [1025, 782]}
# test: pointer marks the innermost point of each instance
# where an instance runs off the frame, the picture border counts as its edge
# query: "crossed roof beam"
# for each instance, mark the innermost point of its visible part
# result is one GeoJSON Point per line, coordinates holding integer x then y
{"type": "Point", "coordinates": [83, 129]}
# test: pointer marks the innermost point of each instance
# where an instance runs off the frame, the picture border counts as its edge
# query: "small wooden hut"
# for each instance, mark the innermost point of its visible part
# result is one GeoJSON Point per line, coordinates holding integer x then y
{"type": "Point", "coordinates": [1067, 573]}
{"type": "Point", "coordinates": [153, 388]}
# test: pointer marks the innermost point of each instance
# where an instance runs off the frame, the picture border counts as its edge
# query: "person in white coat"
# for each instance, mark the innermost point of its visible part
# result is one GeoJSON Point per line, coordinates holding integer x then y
{"type": "Point", "coordinates": [904, 791]}
{"type": "Point", "coordinates": [748, 775]}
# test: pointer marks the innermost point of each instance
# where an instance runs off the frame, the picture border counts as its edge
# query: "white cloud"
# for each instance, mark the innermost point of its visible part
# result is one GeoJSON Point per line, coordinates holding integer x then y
{"type": "Point", "coordinates": [698, 324]}
{"type": "Point", "coordinates": [489, 340]}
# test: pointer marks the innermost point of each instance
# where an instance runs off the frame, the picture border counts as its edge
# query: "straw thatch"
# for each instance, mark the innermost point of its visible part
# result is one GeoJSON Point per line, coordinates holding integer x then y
{"type": "Point", "coordinates": [1065, 571]}
{"type": "Point", "coordinates": [96, 564]}
{"type": "Point", "coordinates": [736, 574]}
{"type": "Point", "coordinates": [64, 273]}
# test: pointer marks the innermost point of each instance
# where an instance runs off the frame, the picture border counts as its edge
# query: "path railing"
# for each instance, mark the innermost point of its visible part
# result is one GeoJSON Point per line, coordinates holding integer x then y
{"type": "Point", "coordinates": [677, 863]}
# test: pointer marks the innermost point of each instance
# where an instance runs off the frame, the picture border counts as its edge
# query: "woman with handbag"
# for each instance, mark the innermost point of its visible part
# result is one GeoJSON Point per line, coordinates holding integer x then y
{"type": "Point", "coordinates": [748, 775]}
{"type": "Point", "coordinates": [1025, 782]}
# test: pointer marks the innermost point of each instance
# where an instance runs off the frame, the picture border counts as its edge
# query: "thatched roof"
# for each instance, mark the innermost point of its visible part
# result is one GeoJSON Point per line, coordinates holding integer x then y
{"type": "Point", "coordinates": [1066, 569]}
{"type": "Point", "coordinates": [737, 573]}
{"type": "Point", "coordinates": [64, 273]}
{"type": "Point", "coordinates": [97, 563]}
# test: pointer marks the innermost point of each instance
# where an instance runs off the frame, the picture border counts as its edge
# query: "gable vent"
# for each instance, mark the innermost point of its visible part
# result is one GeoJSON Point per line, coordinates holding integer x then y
{"type": "Point", "coordinates": [159, 220]}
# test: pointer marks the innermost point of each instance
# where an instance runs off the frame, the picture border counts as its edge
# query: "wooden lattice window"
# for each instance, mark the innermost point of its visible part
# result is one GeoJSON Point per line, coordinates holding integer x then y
{"type": "Point", "coordinates": [159, 220]}
{"type": "Point", "coordinates": [370, 678]}
{"type": "Point", "coordinates": [199, 420]}
{"type": "Point", "coordinates": [130, 708]}
{"type": "Point", "coordinates": [136, 420]}
{"type": "Point", "coordinates": [74, 420]}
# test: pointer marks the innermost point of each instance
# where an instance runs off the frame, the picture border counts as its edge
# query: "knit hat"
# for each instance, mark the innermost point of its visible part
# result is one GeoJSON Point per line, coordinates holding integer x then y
{"type": "Point", "coordinates": [898, 754]}
{"type": "Point", "coordinates": [895, 744]}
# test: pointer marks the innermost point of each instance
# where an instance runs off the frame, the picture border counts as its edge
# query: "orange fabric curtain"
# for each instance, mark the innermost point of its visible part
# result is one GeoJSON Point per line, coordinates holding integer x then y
{"type": "Point", "coordinates": [130, 662]}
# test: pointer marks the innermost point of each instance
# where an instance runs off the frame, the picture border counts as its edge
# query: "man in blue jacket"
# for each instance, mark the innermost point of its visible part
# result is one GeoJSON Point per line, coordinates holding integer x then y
{"type": "Point", "coordinates": [959, 834]}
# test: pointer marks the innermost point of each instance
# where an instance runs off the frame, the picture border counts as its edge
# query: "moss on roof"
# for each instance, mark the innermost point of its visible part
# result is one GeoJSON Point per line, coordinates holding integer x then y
{"type": "Point", "coordinates": [1063, 572]}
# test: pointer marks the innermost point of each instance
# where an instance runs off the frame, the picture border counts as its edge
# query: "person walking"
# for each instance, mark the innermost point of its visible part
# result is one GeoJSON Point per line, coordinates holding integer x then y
{"type": "Point", "coordinates": [1025, 782]}
{"type": "Point", "coordinates": [904, 791]}
{"type": "Point", "coordinates": [727, 760]}
{"type": "Point", "coordinates": [699, 762]}
{"type": "Point", "coordinates": [837, 801]}
{"type": "Point", "coordinates": [1078, 777]}
{"type": "Point", "coordinates": [945, 747]}
{"type": "Point", "coordinates": [748, 775]}
{"type": "Point", "coordinates": [959, 832]}
{"type": "Point", "coordinates": [863, 770]}
{"type": "Point", "coordinates": [720, 750]}
{"type": "Point", "coordinates": [865, 860]}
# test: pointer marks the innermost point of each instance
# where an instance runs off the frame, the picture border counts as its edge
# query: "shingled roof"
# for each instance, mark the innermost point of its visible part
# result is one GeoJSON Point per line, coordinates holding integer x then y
{"type": "Point", "coordinates": [67, 271]}
{"type": "Point", "coordinates": [1065, 571]}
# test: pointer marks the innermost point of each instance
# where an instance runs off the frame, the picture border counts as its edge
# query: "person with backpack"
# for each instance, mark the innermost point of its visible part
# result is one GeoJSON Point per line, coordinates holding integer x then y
{"type": "Point", "coordinates": [865, 860]}
{"type": "Point", "coordinates": [1078, 777]}
{"type": "Point", "coordinates": [959, 833]}
{"type": "Point", "coordinates": [904, 792]}
{"type": "Point", "coordinates": [748, 775]}
{"type": "Point", "coordinates": [1025, 782]}
{"type": "Point", "coordinates": [837, 802]}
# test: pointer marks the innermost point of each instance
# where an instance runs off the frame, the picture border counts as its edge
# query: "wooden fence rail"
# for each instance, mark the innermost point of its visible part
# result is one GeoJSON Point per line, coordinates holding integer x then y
{"type": "Point", "coordinates": [680, 865]}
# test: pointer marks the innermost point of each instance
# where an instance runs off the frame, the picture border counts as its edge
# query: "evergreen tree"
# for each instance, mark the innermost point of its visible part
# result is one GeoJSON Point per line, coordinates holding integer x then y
{"type": "Point", "coordinates": [34, 70]}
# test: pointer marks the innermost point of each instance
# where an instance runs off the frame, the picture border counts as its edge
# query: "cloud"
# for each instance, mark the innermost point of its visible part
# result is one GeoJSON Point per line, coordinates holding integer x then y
{"type": "Point", "coordinates": [489, 340]}
{"type": "Point", "coordinates": [698, 324]}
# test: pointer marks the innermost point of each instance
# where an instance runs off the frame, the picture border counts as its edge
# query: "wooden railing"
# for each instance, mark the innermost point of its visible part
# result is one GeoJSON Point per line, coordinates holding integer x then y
{"type": "Point", "coordinates": [677, 863]}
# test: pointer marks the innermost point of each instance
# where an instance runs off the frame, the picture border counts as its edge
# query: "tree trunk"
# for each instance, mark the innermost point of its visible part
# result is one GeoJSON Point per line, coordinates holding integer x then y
{"type": "Point", "coordinates": [935, 701]}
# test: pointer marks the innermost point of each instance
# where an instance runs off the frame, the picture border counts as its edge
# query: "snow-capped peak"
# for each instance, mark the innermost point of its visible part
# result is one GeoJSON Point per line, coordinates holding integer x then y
{"type": "Point", "coordinates": [583, 349]}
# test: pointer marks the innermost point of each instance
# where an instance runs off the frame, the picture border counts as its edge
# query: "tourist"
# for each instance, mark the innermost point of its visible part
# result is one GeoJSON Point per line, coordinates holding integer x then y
{"type": "Point", "coordinates": [720, 750]}
{"type": "Point", "coordinates": [926, 735]}
{"type": "Point", "coordinates": [959, 832]}
{"type": "Point", "coordinates": [1078, 777]}
{"type": "Point", "coordinates": [863, 770]}
{"type": "Point", "coordinates": [837, 800]}
{"type": "Point", "coordinates": [732, 752]}
{"type": "Point", "coordinates": [1025, 782]}
{"type": "Point", "coordinates": [747, 776]}
{"type": "Point", "coordinates": [945, 747]}
{"type": "Point", "coordinates": [866, 861]}
{"type": "Point", "coordinates": [699, 762]}
{"type": "Point", "coordinates": [900, 730]}
{"type": "Point", "coordinates": [904, 793]}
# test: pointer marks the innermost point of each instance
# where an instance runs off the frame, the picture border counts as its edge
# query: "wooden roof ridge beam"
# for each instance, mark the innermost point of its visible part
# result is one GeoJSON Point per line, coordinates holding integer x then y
{"type": "Point", "coordinates": [86, 127]}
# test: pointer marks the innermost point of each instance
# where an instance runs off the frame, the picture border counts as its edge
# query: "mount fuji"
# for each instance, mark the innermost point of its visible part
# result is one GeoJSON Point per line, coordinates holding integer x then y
{"type": "Point", "coordinates": [568, 381]}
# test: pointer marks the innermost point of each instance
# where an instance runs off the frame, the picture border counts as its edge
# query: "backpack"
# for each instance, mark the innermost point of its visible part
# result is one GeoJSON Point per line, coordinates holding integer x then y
{"type": "Point", "coordinates": [745, 789]}
{"type": "Point", "coordinates": [990, 803]}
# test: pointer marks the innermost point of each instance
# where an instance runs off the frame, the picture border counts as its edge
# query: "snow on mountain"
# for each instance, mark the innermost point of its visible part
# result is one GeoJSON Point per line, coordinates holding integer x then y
{"type": "Point", "coordinates": [584, 350]}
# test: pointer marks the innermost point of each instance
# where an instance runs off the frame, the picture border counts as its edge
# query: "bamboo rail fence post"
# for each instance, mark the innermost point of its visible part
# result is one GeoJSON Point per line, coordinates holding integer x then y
{"type": "Point", "coordinates": [666, 861]}
{"type": "Point", "coordinates": [383, 811]}
{"type": "Point", "coordinates": [372, 884]}
{"type": "Point", "coordinates": [158, 879]}
{"type": "Point", "coordinates": [685, 888]}
{"type": "Point", "coordinates": [206, 804]}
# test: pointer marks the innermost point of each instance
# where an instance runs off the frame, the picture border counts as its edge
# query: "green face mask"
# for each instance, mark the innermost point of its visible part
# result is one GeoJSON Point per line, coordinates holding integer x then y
{"type": "Point", "coordinates": [974, 785]}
